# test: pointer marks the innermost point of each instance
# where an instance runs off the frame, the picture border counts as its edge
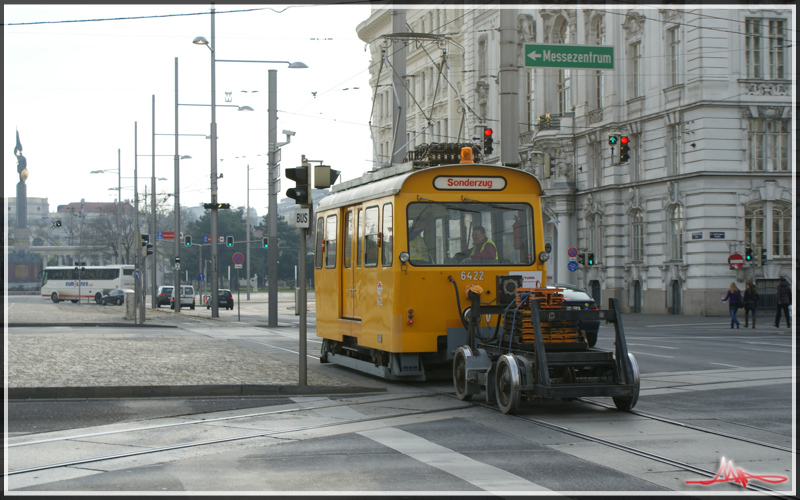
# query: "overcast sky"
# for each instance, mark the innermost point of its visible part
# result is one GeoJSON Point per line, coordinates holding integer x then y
{"type": "Point", "coordinates": [74, 90]}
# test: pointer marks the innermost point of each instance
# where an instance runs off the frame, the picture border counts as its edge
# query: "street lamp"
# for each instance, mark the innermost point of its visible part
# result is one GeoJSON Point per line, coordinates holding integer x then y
{"type": "Point", "coordinates": [274, 177]}
{"type": "Point", "coordinates": [153, 178]}
{"type": "Point", "coordinates": [119, 195]}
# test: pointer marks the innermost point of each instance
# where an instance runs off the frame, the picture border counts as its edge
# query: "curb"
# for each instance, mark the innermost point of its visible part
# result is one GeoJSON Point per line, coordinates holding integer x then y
{"type": "Point", "coordinates": [28, 325]}
{"type": "Point", "coordinates": [179, 391]}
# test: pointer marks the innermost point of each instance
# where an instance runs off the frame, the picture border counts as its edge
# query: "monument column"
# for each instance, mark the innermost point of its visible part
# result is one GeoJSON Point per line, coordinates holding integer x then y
{"type": "Point", "coordinates": [21, 232]}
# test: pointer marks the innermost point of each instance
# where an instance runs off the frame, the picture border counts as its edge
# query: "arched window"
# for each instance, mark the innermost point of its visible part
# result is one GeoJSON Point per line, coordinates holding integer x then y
{"type": "Point", "coordinates": [676, 232]}
{"type": "Point", "coordinates": [637, 236]}
{"type": "Point", "coordinates": [564, 75]}
{"type": "Point", "coordinates": [599, 38]}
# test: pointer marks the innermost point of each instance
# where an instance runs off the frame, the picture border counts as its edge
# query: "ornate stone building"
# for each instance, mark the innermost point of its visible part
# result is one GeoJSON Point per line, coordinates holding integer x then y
{"type": "Point", "coordinates": [705, 97]}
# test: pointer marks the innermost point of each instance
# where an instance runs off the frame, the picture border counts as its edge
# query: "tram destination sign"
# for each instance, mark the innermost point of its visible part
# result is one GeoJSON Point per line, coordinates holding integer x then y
{"type": "Point", "coordinates": [569, 56]}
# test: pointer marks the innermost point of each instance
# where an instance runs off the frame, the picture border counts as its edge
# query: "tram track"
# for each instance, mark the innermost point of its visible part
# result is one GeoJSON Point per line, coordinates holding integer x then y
{"type": "Point", "coordinates": [646, 454]}
{"type": "Point", "coordinates": [589, 437]}
{"type": "Point", "coordinates": [221, 440]}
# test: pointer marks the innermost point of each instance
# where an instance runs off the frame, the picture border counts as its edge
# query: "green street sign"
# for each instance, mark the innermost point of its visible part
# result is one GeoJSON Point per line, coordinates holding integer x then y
{"type": "Point", "coordinates": [569, 56]}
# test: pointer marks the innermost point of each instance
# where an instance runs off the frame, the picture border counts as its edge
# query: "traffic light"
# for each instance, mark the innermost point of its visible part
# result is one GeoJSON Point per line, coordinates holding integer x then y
{"type": "Point", "coordinates": [613, 139]}
{"type": "Point", "coordinates": [582, 258]}
{"type": "Point", "coordinates": [265, 242]}
{"type": "Point", "coordinates": [229, 241]}
{"type": "Point", "coordinates": [218, 206]}
{"type": "Point", "coordinates": [590, 259]}
{"type": "Point", "coordinates": [748, 254]}
{"type": "Point", "coordinates": [187, 240]}
{"type": "Point", "coordinates": [624, 149]}
{"type": "Point", "coordinates": [147, 247]}
{"type": "Point", "coordinates": [762, 254]}
{"type": "Point", "coordinates": [487, 141]}
{"type": "Point", "coordinates": [301, 194]}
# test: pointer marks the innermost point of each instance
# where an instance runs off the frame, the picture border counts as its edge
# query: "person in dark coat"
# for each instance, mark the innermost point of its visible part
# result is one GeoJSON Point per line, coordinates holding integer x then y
{"type": "Point", "coordinates": [784, 296]}
{"type": "Point", "coordinates": [750, 303]}
{"type": "Point", "coordinates": [734, 300]}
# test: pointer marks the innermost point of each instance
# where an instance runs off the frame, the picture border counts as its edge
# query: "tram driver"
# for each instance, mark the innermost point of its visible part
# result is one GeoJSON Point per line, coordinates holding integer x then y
{"type": "Point", "coordinates": [483, 249]}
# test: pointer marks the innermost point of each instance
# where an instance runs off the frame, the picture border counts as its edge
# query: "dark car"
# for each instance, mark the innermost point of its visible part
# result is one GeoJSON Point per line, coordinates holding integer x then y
{"type": "Point", "coordinates": [163, 295]}
{"type": "Point", "coordinates": [225, 299]}
{"type": "Point", "coordinates": [116, 297]}
{"type": "Point", "coordinates": [577, 298]}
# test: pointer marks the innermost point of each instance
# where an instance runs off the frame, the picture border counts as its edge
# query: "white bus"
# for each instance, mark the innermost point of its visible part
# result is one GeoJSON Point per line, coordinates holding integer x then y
{"type": "Point", "coordinates": [72, 283]}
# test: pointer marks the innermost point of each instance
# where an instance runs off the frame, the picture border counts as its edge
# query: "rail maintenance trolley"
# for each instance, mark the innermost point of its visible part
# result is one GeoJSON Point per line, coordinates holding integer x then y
{"type": "Point", "coordinates": [399, 250]}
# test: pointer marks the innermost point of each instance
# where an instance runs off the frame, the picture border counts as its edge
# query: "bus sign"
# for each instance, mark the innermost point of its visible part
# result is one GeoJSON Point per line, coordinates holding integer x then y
{"type": "Point", "coordinates": [569, 56]}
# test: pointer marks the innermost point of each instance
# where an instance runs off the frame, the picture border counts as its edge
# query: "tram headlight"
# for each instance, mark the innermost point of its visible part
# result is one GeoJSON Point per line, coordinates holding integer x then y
{"type": "Point", "coordinates": [543, 256]}
{"type": "Point", "coordinates": [404, 257]}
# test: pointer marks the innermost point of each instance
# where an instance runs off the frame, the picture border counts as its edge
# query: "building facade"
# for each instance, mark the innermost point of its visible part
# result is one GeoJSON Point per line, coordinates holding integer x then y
{"type": "Point", "coordinates": [704, 96]}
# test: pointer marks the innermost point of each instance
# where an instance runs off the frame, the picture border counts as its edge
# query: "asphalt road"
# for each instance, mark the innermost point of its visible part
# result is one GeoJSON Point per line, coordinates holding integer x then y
{"type": "Point", "coordinates": [417, 438]}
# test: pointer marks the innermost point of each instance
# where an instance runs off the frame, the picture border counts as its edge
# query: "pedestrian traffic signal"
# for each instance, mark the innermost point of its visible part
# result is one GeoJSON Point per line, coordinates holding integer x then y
{"type": "Point", "coordinates": [582, 258]}
{"type": "Point", "coordinates": [187, 240]}
{"type": "Point", "coordinates": [301, 194]}
{"type": "Point", "coordinates": [613, 139]}
{"type": "Point", "coordinates": [487, 141]}
{"type": "Point", "coordinates": [624, 149]}
{"type": "Point", "coordinates": [265, 242]}
{"type": "Point", "coordinates": [229, 241]}
{"type": "Point", "coordinates": [590, 259]}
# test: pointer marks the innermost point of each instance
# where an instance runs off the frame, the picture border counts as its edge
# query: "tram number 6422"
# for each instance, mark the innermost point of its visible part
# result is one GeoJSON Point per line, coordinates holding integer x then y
{"type": "Point", "coordinates": [472, 275]}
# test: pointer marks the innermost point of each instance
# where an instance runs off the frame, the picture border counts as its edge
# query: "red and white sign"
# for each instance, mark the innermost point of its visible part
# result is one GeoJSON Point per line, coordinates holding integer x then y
{"type": "Point", "coordinates": [469, 183]}
{"type": "Point", "coordinates": [572, 252]}
{"type": "Point", "coordinates": [238, 258]}
{"type": "Point", "coordinates": [168, 235]}
{"type": "Point", "coordinates": [736, 261]}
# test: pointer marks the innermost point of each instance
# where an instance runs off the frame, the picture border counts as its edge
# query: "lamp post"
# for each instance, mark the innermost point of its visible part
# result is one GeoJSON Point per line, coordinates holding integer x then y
{"type": "Point", "coordinates": [119, 195]}
{"type": "Point", "coordinates": [274, 178]}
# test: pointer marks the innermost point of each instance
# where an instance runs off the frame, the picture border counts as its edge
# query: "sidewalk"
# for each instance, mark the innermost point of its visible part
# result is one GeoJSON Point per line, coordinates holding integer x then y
{"type": "Point", "coordinates": [183, 358]}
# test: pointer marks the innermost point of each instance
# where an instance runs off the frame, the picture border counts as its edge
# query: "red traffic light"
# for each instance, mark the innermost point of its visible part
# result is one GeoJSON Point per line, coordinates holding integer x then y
{"type": "Point", "coordinates": [488, 132]}
{"type": "Point", "coordinates": [624, 140]}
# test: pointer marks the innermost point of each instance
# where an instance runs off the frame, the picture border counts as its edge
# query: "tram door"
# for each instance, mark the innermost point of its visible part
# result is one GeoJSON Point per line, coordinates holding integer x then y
{"type": "Point", "coordinates": [351, 262]}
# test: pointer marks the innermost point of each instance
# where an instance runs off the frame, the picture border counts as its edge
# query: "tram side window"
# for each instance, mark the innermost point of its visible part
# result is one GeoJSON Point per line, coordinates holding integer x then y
{"type": "Point", "coordinates": [359, 242]}
{"type": "Point", "coordinates": [330, 241]}
{"type": "Point", "coordinates": [348, 239]}
{"type": "Point", "coordinates": [371, 237]}
{"type": "Point", "coordinates": [318, 245]}
{"type": "Point", "coordinates": [386, 239]}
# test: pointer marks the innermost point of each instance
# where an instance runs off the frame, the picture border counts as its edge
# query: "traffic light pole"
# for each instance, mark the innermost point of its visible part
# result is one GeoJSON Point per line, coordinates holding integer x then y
{"type": "Point", "coordinates": [301, 262]}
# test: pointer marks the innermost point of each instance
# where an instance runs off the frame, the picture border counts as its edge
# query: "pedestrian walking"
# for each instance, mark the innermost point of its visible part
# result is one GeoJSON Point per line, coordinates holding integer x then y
{"type": "Point", "coordinates": [735, 301]}
{"type": "Point", "coordinates": [750, 303]}
{"type": "Point", "coordinates": [784, 295]}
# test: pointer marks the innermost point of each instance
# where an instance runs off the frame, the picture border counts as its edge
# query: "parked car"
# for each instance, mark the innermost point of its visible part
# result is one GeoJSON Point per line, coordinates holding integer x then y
{"type": "Point", "coordinates": [163, 295]}
{"type": "Point", "coordinates": [577, 298]}
{"type": "Point", "coordinates": [186, 297]}
{"type": "Point", "coordinates": [116, 297]}
{"type": "Point", "coordinates": [225, 299]}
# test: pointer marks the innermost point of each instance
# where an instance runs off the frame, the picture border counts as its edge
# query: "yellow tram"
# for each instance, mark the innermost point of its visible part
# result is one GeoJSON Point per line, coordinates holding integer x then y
{"type": "Point", "coordinates": [396, 249]}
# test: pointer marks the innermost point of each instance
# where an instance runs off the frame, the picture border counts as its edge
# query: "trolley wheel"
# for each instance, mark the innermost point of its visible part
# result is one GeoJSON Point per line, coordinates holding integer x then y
{"type": "Point", "coordinates": [54, 297]}
{"type": "Point", "coordinates": [628, 402]}
{"type": "Point", "coordinates": [323, 353]}
{"type": "Point", "coordinates": [507, 381]}
{"type": "Point", "coordinates": [460, 372]}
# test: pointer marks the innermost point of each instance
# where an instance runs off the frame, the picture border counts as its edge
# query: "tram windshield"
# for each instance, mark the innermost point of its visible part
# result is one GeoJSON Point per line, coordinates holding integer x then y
{"type": "Point", "coordinates": [470, 234]}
